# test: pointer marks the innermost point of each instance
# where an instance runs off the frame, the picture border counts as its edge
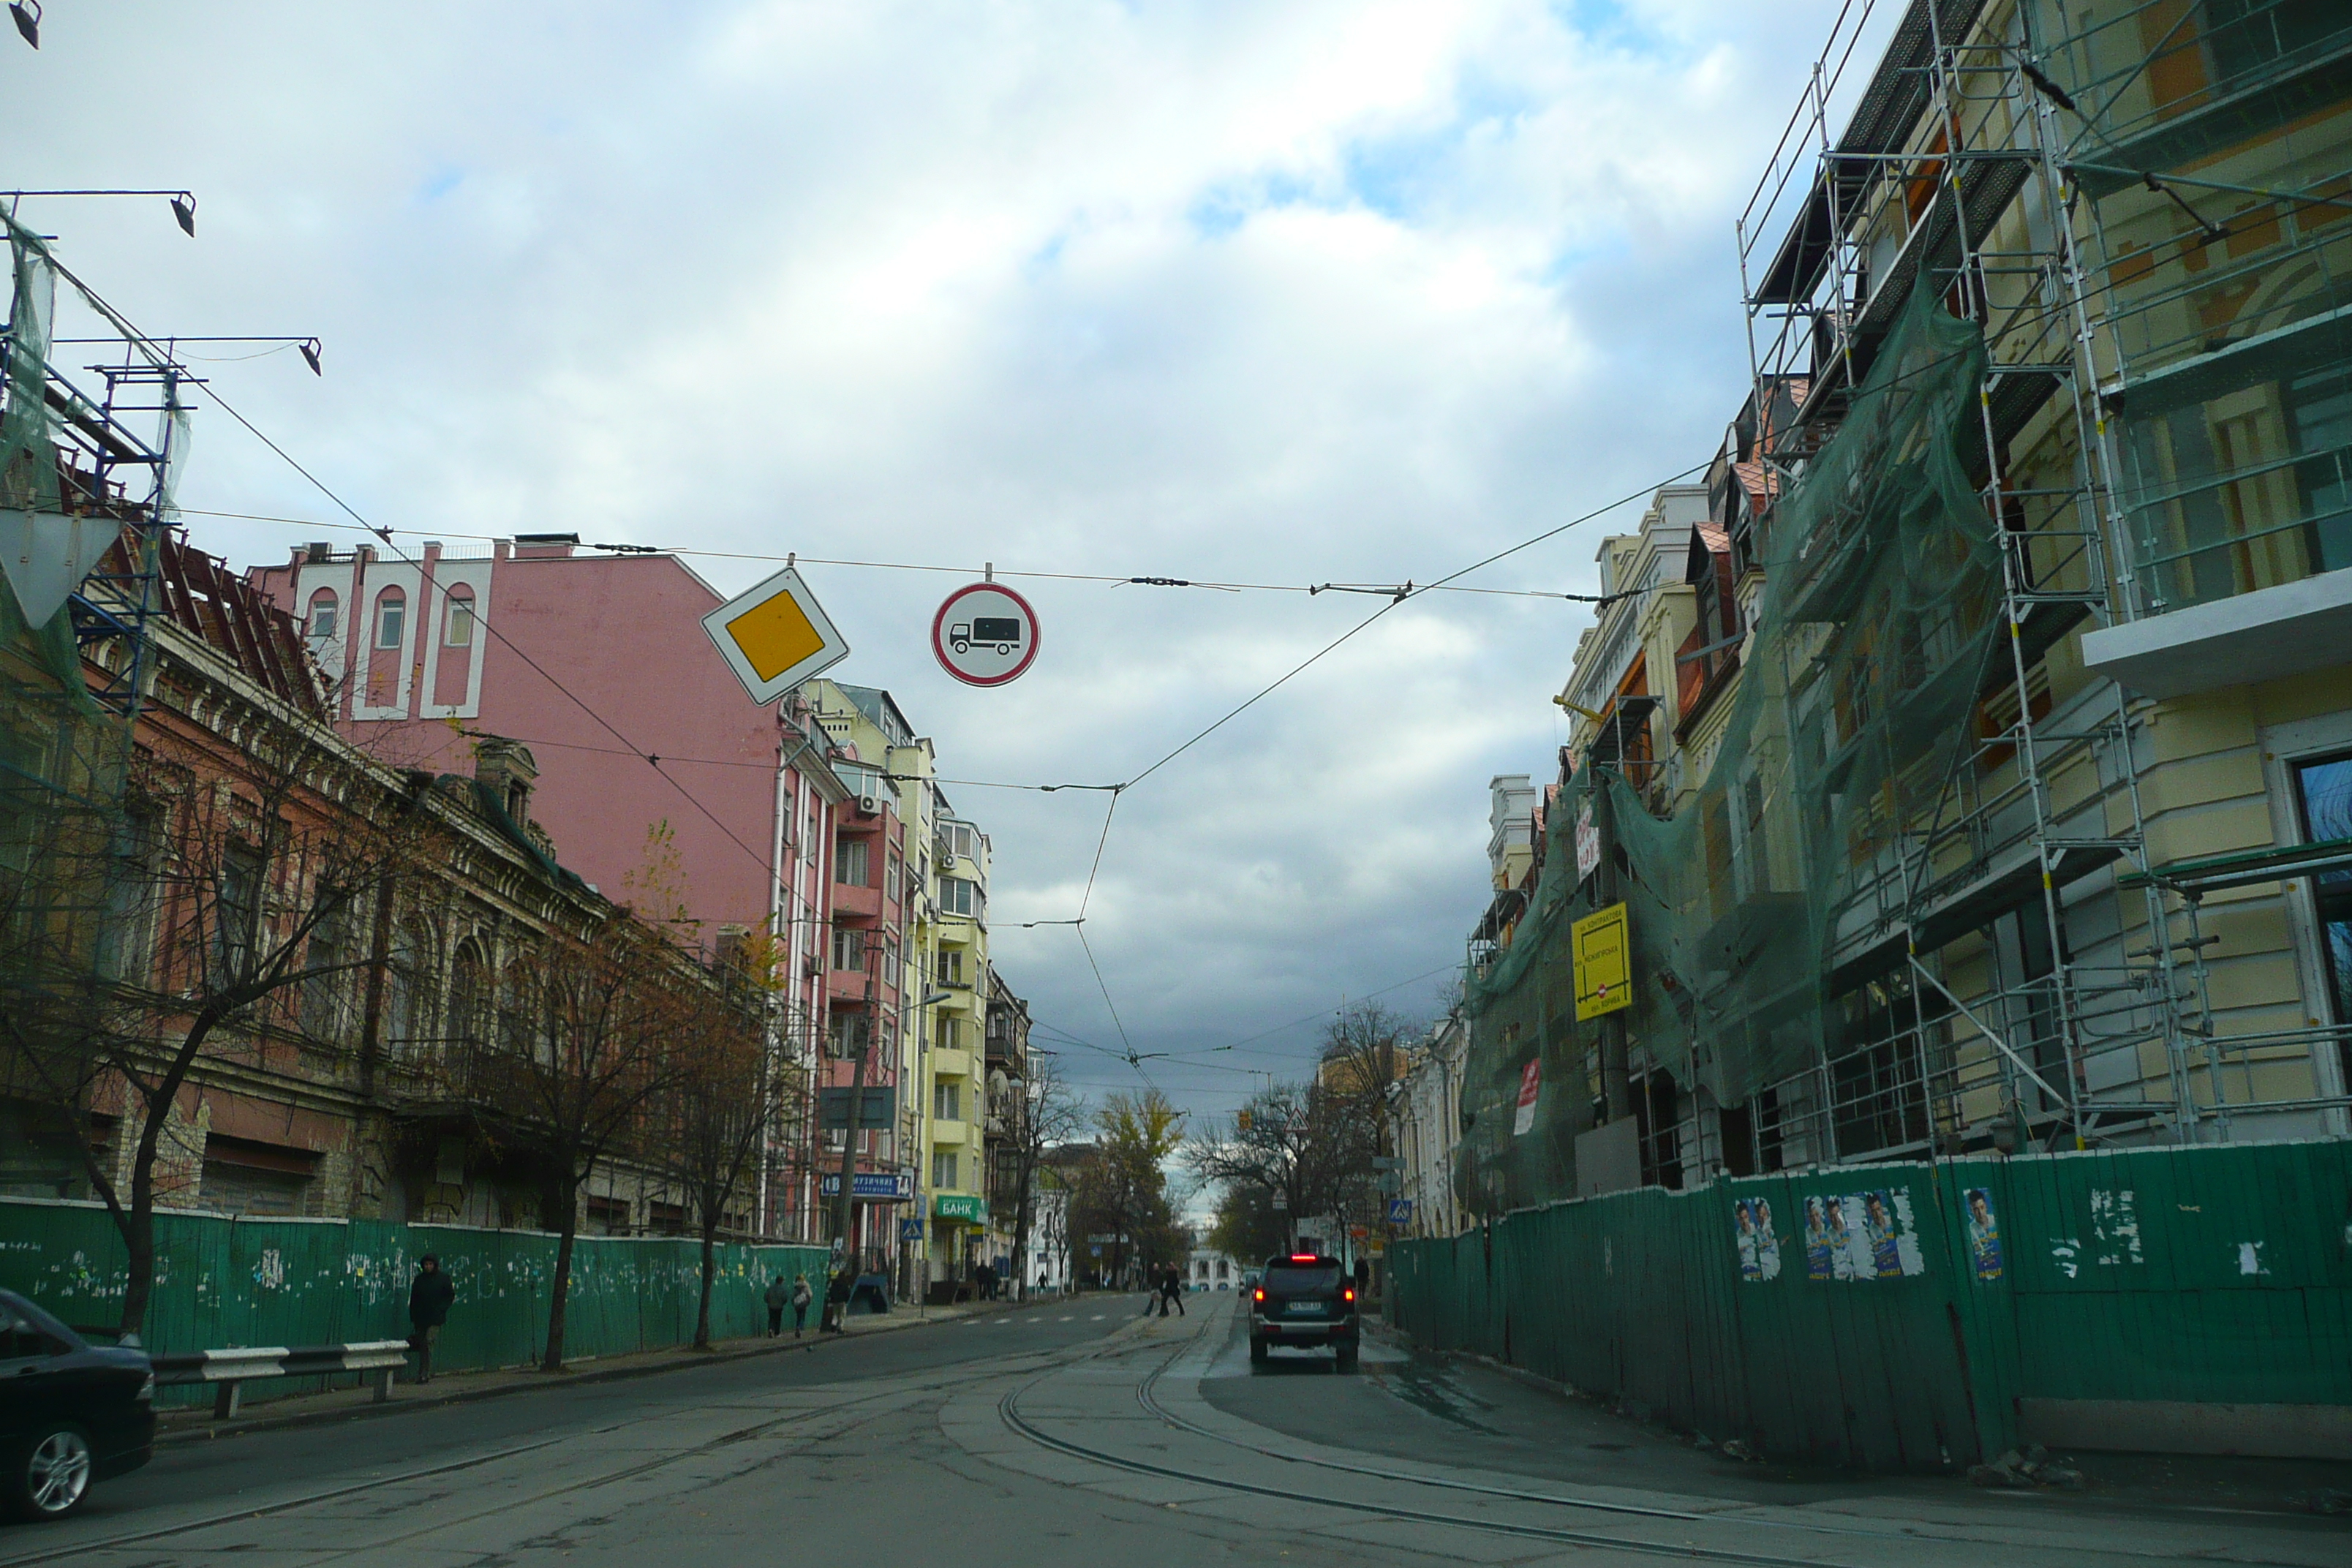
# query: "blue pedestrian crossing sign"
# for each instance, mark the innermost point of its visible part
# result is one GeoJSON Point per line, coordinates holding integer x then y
{"type": "Point", "coordinates": [911, 1228]}
{"type": "Point", "coordinates": [1400, 1211]}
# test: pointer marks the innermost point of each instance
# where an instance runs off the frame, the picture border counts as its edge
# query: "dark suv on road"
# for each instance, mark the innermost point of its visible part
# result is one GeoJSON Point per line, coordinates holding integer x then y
{"type": "Point", "coordinates": [1304, 1300]}
{"type": "Point", "coordinates": [70, 1412]}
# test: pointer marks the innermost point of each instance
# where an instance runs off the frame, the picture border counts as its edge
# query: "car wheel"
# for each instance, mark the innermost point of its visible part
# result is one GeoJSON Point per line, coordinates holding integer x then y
{"type": "Point", "coordinates": [51, 1474]}
{"type": "Point", "coordinates": [1257, 1353]}
{"type": "Point", "coordinates": [1346, 1358]}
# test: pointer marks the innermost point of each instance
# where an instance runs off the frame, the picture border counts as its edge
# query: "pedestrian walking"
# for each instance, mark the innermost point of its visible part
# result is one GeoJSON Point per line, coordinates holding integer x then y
{"type": "Point", "coordinates": [802, 1297]}
{"type": "Point", "coordinates": [429, 1299]}
{"type": "Point", "coordinates": [1171, 1288]}
{"type": "Point", "coordinates": [1363, 1278]}
{"type": "Point", "coordinates": [836, 1302]}
{"type": "Point", "coordinates": [776, 1297]}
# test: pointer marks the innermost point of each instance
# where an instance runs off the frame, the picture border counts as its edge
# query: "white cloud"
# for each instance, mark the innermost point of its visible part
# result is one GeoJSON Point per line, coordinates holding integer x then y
{"type": "Point", "coordinates": [1285, 293]}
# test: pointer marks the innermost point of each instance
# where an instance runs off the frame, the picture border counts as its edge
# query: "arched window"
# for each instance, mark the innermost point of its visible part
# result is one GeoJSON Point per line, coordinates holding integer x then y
{"type": "Point", "coordinates": [391, 617]}
{"type": "Point", "coordinates": [467, 997]}
{"type": "Point", "coordinates": [404, 1009]}
{"type": "Point", "coordinates": [457, 619]}
{"type": "Point", "coordinates": [325, 612]}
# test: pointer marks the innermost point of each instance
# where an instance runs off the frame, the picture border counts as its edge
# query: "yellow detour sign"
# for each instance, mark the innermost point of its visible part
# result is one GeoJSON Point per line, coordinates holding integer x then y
{"type": "Point", "coordinates": [1604, 967]}
{"type": "Point", "coordinates": [775, 637]}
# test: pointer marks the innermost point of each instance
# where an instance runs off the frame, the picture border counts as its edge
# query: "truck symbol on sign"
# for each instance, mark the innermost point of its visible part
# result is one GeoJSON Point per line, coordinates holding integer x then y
{"type": "Point", "coordinates": [1004, 631]}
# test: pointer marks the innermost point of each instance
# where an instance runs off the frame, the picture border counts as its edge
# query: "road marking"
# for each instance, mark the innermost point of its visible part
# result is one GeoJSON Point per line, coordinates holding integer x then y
{"type": "Point", "coordinates": [1066, 1320]}
{"type": "Point", "coordinates": [1096, 1319]}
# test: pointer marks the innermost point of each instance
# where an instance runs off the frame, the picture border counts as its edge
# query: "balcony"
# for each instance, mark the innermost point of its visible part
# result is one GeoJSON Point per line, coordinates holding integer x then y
{"type": "Point", "coordinates": [848, 899]}
{"type": "Point", "coordinates": [846, 984]}
{"type": "Point", "coordinates": [2268, 634]}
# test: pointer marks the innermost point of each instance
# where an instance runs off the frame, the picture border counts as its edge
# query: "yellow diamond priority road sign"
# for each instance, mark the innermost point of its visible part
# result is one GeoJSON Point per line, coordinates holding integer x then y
{"type": "Point", "coordinates": [775, 637]}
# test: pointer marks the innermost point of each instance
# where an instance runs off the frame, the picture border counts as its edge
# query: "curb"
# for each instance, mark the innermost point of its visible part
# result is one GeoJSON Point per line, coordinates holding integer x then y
{"type": "Point", "coordinates": [540, 1384]}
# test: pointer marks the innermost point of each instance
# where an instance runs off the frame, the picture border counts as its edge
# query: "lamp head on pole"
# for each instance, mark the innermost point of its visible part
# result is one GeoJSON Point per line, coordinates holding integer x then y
{"type": "Point", "coordinates": [27, 15]}
{"type": "Point", "coordinates": [183, 208]}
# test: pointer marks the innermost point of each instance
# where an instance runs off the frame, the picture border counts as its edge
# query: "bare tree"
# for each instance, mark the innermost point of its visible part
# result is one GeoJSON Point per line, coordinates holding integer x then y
{"type": "Point", "coordinates": [1043, 1115]}
{"type": "Point", "coordinates": [1306, 1149]}
{"type": "Point", "coordinates": [233, 888]}
{"type": "Point", "coordinates": [725, 1097]}
{"type": "Point", "coordinates": [581, 1052]}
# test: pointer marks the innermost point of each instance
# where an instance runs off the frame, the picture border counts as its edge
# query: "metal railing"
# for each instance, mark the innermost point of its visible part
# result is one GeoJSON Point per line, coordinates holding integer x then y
{"type": "Point", "coordinates": [230, 1370]}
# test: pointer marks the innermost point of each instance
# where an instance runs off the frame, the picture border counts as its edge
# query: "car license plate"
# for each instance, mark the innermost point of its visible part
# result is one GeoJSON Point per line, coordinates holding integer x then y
{"type": "Point", "coordinates": [1305, 1309]}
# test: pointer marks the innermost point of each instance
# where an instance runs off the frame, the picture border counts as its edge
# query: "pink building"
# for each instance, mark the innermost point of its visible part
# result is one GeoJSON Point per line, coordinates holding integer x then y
{"type": "Point", "coordinates": [658, 782]}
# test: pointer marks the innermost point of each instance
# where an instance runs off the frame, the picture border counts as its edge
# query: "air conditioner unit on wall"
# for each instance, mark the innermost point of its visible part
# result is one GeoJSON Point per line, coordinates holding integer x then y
{"type": "Point", "coordinates": [870, 804]}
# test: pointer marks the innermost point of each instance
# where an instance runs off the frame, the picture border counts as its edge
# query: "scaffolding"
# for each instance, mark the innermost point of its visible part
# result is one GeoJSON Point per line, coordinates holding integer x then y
{"type": "Point", "coordinates": [86, 498]}
{"type": "Point", "coordinates": [1899, 899]}
{"type": "Point", "coordinates": [2013, 999]}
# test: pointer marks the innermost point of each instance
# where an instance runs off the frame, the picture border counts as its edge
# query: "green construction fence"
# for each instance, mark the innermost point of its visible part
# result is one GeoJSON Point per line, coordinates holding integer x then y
{"type": "Point", "coordinates": [1893, 1316]}
{"type": "Point", "coordinates": [224, 1282]}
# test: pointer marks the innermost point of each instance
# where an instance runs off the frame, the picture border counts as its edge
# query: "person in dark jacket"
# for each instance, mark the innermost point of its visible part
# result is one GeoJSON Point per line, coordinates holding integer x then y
{"type": "Point", "coordinates": [1171, 1288]}
{"type": "Point", "coordinates": [802, 1297]}
{"type": "Point", "coordinates": [777, 1296]}
{"type": "Point", "coordinates": [429, 1308]}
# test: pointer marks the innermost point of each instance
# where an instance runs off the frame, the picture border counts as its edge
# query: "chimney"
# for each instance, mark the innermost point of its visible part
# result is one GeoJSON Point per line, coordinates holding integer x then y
{"type": "Point", "coordinates": [507, 769]}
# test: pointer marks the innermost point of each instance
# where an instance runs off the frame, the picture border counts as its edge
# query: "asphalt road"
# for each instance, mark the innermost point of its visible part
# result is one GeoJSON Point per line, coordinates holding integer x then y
{"type": "Point", "coordinates": [1067, 1434]}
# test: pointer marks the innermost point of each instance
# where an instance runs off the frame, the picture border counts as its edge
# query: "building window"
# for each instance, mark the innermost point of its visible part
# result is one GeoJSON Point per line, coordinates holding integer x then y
{"type": "Point", "coordinates": [126, 949]}
{"type": "Point", "coordinates": [951, 965]}
{"type": "Point", "coordinates": [850, 861]}
{"type": "Point", "coordinates": [943, 1169]}
{"type": "Point", "coordinates": [457, 621]}
{"type": "Point", "coordinates": [236, 913]}
{"type": "Point", "coordinates": [404, 1007]}
{"type": "Point", "coordinates": [959, 896]}
{"type": "Point", "coordinates": [849, 947]}
{"type": "Point", "coordinates": [390, 618]}
{"type": "Point", "coordinates": [2326, 786]}
{"type": "Point", "coordinates": [324, 611]}
{"type": "Point", "coordinates": [947, 1102]}
{"type": "Point", "coordinates": [328, 980]}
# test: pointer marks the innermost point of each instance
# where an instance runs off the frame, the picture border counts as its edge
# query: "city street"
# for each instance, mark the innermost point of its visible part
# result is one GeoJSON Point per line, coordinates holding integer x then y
{"type": "Point", "coordinates": [1072, 1433]}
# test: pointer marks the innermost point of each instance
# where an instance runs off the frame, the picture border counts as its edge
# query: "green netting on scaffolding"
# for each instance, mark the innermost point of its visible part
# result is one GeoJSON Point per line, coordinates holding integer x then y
{"type": "Point", "coordinates": [1749, 903]}
{"type": "Point", "coordinates": [2222, 287]}
{"type": "Point", "coordinates": [63, 758]}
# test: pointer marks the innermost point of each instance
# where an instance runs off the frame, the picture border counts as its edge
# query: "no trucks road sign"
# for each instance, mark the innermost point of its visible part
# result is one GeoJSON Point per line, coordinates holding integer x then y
{"type": "Point", "coordinates": [985, 634]}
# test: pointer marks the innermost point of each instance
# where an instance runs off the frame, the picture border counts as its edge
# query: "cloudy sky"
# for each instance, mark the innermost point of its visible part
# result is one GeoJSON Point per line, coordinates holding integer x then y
{"type": "Point", "coordinates": [1288, 293]}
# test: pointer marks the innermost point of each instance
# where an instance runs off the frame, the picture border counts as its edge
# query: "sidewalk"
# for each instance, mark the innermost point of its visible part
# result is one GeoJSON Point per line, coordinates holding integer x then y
{"type": "Point", "coordinates": [195, 1424]}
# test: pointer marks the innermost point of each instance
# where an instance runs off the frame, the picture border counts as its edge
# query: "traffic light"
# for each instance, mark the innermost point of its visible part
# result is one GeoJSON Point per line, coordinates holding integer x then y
{"type": "Point", "coordinates": [1242, 1122]}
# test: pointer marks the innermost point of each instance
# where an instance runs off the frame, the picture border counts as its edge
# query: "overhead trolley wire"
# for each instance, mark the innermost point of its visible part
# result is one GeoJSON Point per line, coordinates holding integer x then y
{"type": "Point", "coordinates": [1310, 590]}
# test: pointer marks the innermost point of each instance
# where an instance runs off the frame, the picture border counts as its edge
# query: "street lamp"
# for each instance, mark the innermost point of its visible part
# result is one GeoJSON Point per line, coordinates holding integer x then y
{"type": "Point", "coordinates": [183, 202]}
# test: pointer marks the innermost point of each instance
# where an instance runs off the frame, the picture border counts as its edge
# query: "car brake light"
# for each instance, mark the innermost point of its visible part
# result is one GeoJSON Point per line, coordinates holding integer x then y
{"type": "Point", "coordinates": [1349, 1294]}
{"type": "Point", "coordinates": [1259, 1295]}
{"type": "Point", "coordinates": [1302, 1257]}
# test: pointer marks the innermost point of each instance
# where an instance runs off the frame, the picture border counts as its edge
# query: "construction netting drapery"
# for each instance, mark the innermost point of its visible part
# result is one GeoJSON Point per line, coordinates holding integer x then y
{"type": "Point", "coordinates": [1759, 909]}
{"type": "Point", "coordinates": [64, 832]}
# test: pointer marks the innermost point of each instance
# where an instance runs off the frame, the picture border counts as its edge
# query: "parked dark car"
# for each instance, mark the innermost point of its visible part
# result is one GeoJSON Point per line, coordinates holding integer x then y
{"type": "Point", "coordinates": [70, 1412]}
{"type": "Point", "coordinates": [1307, 1301]}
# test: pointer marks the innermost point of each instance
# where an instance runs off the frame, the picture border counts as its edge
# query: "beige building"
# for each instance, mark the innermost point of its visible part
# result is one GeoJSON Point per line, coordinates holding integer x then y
{"type": "Point", "coordinates": [1973, 752]}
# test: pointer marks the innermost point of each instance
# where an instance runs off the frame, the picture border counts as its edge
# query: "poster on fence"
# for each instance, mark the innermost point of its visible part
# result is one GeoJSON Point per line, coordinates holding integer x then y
{"type": "Point", "coordinates": [1760, 1249]}
{"type": "Point", "coordinates": [1848, 1236]}
{"type": "Point", "coordinates": [1984, 1234]}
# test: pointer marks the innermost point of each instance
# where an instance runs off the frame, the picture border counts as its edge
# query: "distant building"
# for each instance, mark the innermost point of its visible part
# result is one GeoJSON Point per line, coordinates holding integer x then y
{"type": "Point", "coordinates": [1424, 1120]}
